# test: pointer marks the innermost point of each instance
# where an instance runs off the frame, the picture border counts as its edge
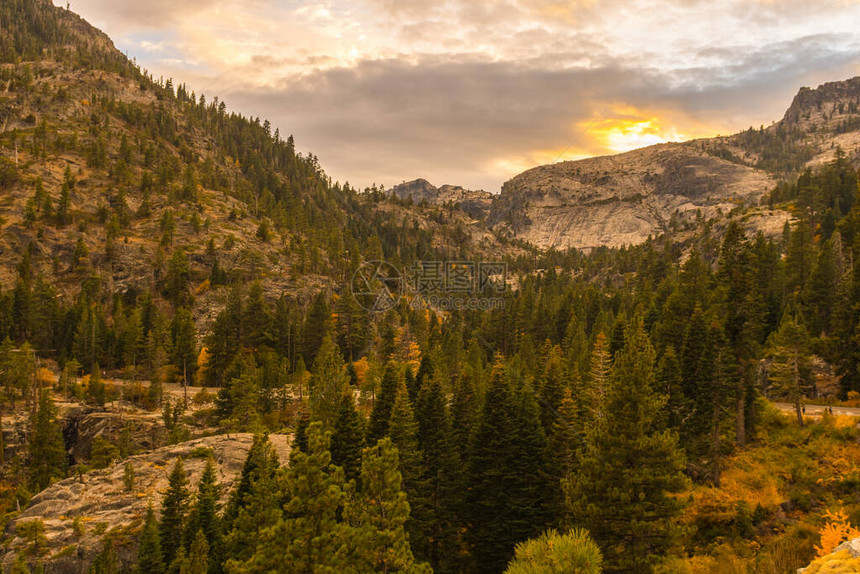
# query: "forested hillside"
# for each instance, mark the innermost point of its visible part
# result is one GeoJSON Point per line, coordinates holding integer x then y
{"type": "Point", "coordinates": [172, 270]}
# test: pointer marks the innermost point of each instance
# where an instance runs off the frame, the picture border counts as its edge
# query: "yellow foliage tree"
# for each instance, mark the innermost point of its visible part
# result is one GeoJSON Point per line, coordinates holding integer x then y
{"type": "Point", "coordinates": [361, 367]}
{"type": "Point", "coordinates": [835, 531]}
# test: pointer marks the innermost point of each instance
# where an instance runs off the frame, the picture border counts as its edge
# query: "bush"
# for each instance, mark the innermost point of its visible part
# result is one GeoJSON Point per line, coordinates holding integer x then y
{"type": "Point", "coordinates": [551, 552]}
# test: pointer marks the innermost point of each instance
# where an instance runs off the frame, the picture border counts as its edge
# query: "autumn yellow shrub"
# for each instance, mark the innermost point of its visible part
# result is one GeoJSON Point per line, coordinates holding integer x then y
{"type": "Point", "coordinates": [837, 530]}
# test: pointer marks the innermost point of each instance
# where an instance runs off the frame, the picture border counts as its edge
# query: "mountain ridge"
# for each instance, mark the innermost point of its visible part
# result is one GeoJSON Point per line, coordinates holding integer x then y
{"type": "Point", "coordinates": [623, 199]}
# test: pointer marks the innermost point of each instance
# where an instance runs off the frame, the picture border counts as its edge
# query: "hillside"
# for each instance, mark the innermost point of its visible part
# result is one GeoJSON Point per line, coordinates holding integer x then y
{"type": "Point", "coordinates": [623, 199]}
{"type": "Point", "coordinates": [141, 186]}
{"type": "Point", "coordinates": [178, 278]}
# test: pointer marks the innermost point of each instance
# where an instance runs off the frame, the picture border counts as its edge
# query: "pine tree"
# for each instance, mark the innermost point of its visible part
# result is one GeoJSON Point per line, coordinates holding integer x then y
{"type": "Point", "coordinates": [300, 438]}
{"type": "Point", "coordinates": [255, 504]}
{"type": "Point", "coordinates": [791, 369]}
{"type": "Point", "coordinates": [563, 444]}
{"type": "Point", "coordinates": [425, 373]}
{"type": "Point", "coordinates": [347, 439]}
{"type": "Point", "coordinates": [204, 516]}
{"type": "Point", "coordinates": [106, 561]}
{"type": "Point", "coordinates": [552, 384]}
{"type": "Point", "coordinates": [378, 513]}
{"type": "Point", "coordinates": [594, 392]}
{"type": "Point", "coordinates": [149, 557]}
{"type": "Point", "coordinates": [628, 468]}
{"type": "Point", "coordinates": [464, 410]}
{"type": "Point", "coordinates": [742, 323]}
{"type": "Point", "coordinates": [553, 553]}
{"type": "Point", "coordinates": [309, 537]}
{"type": "Point", "coordinates": [317, 327]}
{"type": "Point", "coordinates": [184, 339]}
{"type": "Point", "coordinates": [48, 458]}
{"type": "Point", "coordinates": [443, 477]}
{"type": "Point", "coordinates": [198, 561]}
{"type": "Point", "coordinates": [174, 508]}
{"type": "Point", "coordinates": [326, 383]}
{"type": "Point", "coordinates": [403, 430]}
{"type": "Point", "coordinates": [505, 490]}
{"type": "Point", "coordinates": [529, 485]}
{"type": "Point", "coordinates": [377, 427]}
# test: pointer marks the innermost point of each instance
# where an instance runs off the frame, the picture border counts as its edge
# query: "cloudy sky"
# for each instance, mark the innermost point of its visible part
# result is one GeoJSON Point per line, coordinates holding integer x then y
{"type": "Point", "coordinates": [471, 92]}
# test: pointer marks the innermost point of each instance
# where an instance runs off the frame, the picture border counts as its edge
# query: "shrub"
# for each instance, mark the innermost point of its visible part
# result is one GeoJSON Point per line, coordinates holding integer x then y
{"type": "Point", "coordinates": [570, 553]}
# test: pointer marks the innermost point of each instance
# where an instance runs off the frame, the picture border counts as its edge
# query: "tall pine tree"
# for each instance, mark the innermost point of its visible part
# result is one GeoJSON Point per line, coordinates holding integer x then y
{"type": "Point", "coordinates": [629, 468]}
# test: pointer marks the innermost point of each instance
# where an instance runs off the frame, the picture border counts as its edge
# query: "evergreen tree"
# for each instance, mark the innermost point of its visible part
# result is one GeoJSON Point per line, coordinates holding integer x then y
{"type": "Point", "coordinates": [184, 338]}
{"type": "Point", "coordinates": [106, 561]}
{"type": "Point", "coordinates": [347, 439]}
{"type": "Point", "coordinates": [563, 444]}
{"type": "Point", "coordinates": [300, 438]}
{"type": "Point", "coordinates": [742, 322]}
{"type": "Point", "coordinates": [443, 481]}
{"type": "Point", "coordinates": [198, 561]}
{"type": "Point", "coordinates": [628, 468]}
{"type": "Point", "coordinates": [425, 373]}
{"type": "Point", "coordinates": [791, 370]}
{"type": "Point", "coordinates": [149, 557]}
{"type": "Point", "coordinates": [327, 383]}
{"type": "Point", "coordinates": [553, 553]}
{"type": "Point", "coordinates": [377, 428]}
{"type": "Point", "coordinates": [317, 327]}
{"type": "Point", "coordinates": [378, 513]}
{"type": "Point", "coordinates": [552, 384]}
{"type": "Point", "coordinates": [403, 430]}
{"type": "Point", "coordinates": [204, 517]}
{"type": "Point", "coordinates": [505, 491]}
{"type": "Point", "coordinates": [48, 458]}
{"type": "Point", "coordinates": [255, 504]}
{"type": "Point", "coordinates": [308, 537]}
{"type": "Point", "coordinates": [594, 392]}
{"type": "Point", "coordinates": [174, 508]}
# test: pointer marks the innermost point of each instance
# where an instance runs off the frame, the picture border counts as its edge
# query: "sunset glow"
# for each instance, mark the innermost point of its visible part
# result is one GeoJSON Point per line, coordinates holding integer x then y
{"type": "Point", "coordinates": [471, 92]}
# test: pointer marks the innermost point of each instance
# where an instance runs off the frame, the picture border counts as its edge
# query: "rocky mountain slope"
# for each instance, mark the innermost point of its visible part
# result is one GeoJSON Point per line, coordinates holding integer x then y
{"type": "Point", "coordinates": [110, 178]}
{"type": "Point", "coordinates": [622, 199]}
{"type": "Point", "coordinates": [78, 512]}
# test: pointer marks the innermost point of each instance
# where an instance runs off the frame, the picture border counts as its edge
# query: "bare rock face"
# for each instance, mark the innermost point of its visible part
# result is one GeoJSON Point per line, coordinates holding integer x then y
{"type": "Point", "coordinates": [844, 558]}
{"type": "Point", "coordinates": [476, 203]}
{"type": "Point", "coordinates": [622, 199]}
{"type": "Point", "coordinates": [103, 505]}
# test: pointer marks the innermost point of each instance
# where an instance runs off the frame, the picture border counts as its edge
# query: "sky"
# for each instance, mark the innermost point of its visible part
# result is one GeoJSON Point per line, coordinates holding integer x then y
{"type": "Point", "coordinates": [472, 92]}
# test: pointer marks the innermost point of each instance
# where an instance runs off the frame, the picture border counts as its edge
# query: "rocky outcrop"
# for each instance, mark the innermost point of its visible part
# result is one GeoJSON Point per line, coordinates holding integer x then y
{"type": "Point", "coordinates": [844, 558]}
{"type": "Point", "coordinates": [622, 199]}
{"type": "Point", "coordinates": [144, 431]}
{"type": "Point", "coordinates": [475, 203]}
{"type": "Point", "coordinates": [79, 512]}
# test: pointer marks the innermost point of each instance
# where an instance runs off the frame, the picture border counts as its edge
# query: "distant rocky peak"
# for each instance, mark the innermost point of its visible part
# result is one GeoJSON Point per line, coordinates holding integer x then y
{"type": "Point", "coordinates": [825, 103]}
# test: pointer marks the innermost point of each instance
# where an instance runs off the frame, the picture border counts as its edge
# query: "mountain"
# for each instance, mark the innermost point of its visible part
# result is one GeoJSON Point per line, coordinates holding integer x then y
{"type": "Point", "coordinates": [625, 198]}
{"type": "Point", "coordinates": [475, 203]}
{"type": "Point", "coordinates": [121, 183]}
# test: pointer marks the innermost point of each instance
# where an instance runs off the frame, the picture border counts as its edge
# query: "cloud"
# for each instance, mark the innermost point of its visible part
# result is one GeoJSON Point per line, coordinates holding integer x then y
{"type": "Point", "coordinates": [472, 91]}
